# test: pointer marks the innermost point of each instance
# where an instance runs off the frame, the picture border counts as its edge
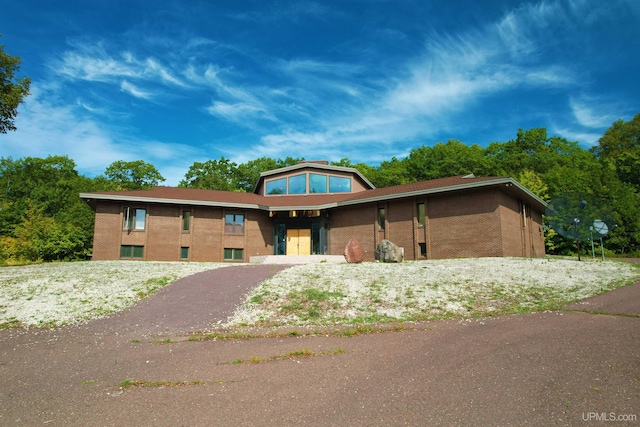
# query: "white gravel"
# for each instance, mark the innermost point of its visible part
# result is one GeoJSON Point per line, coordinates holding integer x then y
{"type": "Point", "coordinates": [324, 293]}
{"type": "Point", "coordinates": [54, 294]}
{"type": "Point", "coordinates": [345, 293]}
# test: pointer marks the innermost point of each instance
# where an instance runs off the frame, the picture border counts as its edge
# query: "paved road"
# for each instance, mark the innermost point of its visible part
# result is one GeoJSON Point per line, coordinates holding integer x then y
{"type": "Point", "coordinates": [556, 368]}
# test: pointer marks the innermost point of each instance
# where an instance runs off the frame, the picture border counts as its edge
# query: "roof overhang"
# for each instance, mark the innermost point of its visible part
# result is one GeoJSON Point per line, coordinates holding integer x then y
{"type": "Point", "coordinates": [508, 185]}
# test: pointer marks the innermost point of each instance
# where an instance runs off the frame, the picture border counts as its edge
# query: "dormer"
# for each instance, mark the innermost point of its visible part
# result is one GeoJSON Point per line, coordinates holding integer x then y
{"type": "Point", "coordinates": [311, 177]}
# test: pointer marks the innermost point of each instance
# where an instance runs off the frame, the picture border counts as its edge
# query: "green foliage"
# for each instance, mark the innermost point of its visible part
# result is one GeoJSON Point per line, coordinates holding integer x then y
{"type": "Point", "coordinates": [12, 90]}
{"type": "Point", "coordinates": [136, 175]}
{"type": "Point", "coordinates": [43, 193]}
{"type": "Point", "coordinates": [226, 175]}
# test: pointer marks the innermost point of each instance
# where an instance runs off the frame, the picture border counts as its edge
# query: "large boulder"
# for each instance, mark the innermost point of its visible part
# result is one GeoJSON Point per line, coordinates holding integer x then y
{"type": "Point", "coordinates": [389, 252]}
{"type": "Point", "coordinates": [353, 252]}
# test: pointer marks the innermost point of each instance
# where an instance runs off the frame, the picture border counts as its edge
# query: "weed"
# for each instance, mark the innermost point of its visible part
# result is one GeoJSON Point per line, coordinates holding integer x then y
{"type": "Point", "coordinates": [142, 383]}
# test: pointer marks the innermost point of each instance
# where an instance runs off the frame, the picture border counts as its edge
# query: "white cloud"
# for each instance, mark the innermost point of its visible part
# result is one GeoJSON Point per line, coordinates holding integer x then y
{"type": "Point", "coordinates": [48, 127]}
{"type": "Point", "coordinates": [131, 89]}
{"type": "Point", "coordinates": [584, 110]}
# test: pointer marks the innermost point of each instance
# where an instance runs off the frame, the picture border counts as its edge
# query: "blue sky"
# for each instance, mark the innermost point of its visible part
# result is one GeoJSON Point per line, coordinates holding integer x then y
{"type": "Point", "coordinates": [175, 82]}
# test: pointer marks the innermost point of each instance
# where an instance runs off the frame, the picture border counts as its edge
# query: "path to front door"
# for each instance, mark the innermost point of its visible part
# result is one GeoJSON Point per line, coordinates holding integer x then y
{"type": "Point", "coordinates": [299, 241]}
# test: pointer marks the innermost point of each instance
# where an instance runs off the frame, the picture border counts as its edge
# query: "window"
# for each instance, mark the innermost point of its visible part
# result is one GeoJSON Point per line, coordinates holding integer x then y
{"type": "Point", "coordinates": [130, 251]}
{"type": "Point", "coordinates": [186, 221]}
{"type": "Point", "coordinates": [184, 252]}
{"type": "Point", "coordinates": [423, 249]}
{"type": "Point", "coordinates": [298, 184]}
{"type": "Point", "coordinates": [234, 224]}
{"type": "Point", "coordinates": [338, 184]}
{"type": "Point", "coordinates": [317, 183]}
{"type": "Point", "coordinates": [277, 186]}
{"type": "Point", "coordinates": [233, 254]}
{"type": "Point", "coordinates": [421, 214]}
{"type": "Point", "coordinates": [134, 219]}
{"type": "Point", "coordinates": [381, 218]}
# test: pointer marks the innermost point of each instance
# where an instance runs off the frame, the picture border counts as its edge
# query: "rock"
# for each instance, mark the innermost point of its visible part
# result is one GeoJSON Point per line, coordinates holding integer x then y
{"type": "Point", "coordinates": [389, 252]}
{"type": "Point", "coordinates": [353, 252]}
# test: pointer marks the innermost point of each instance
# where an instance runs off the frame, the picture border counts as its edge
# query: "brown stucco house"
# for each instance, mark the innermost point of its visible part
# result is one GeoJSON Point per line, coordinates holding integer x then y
{"type": "Point", "coordinates": [313, 208]}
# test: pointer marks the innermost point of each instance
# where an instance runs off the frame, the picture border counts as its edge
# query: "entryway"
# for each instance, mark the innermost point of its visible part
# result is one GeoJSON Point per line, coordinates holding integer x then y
{"type": "Point", "coordinates": [299, 241]}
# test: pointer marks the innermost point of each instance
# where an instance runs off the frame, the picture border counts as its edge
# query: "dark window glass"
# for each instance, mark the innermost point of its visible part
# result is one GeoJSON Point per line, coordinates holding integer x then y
{"type": "Point", "coordinates": [233, 254]}
{"type": "Point", "coordinates": [421, 214]}
{"type": "Point", "coordinates": [186, 220]}
{"type": "Point", "coordinates": [129, 251]}
{"type": "Point", "coordinates": [381, 218]}
{"type": "Point", "coordinates": [184, 253]}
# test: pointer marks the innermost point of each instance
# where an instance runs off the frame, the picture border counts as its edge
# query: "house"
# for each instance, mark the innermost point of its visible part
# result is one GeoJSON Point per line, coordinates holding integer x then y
{"type": "Point", "coordinates": [313, 208]}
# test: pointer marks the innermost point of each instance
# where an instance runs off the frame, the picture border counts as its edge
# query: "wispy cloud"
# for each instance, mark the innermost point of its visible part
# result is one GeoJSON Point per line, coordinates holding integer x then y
{"type": "Point", "coordinates": [131, 89]}
{"type": "Point", "coordinates": [49, 126]}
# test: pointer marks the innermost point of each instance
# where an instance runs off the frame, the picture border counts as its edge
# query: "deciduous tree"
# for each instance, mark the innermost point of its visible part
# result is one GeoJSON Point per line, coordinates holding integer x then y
{"type": "Point", "coordinates": [12, 89]}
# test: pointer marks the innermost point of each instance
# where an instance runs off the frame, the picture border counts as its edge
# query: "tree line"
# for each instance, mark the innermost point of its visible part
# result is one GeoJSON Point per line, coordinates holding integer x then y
{"type": "Point", "coordinates": [43, 218]}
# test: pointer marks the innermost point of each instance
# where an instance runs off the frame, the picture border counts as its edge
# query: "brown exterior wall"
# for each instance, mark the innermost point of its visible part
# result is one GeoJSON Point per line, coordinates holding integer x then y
{"type": "Point", "coordinates": [359, 222]}
{"type": "Point", "coordinates": [400, 226]}
{"type": "Point", "coordinates": [107, 231]}
{"type": "Point", "coordinates": [464, 224]}
{"type": "Point", "coordinates": [474, 223]}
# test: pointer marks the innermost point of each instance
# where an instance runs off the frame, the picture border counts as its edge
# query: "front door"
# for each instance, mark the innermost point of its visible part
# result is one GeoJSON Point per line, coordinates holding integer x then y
{"type": "Point", "coordinates": [299, 241]}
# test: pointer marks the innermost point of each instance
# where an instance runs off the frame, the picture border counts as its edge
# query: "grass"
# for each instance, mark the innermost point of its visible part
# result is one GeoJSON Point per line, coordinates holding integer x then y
{"type": "Point", "coordinates": [127, 384]}
{"type": "Point", "coordinates": [305, 352]}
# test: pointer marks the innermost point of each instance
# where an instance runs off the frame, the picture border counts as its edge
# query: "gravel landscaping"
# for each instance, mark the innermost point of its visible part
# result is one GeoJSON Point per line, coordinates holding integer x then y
{"type": "Point", "coordinates": [322, 294]}
{"type": "Point", "coordinates": [55, 294]}
{"type": "Point", "coordinates": [49, 295]}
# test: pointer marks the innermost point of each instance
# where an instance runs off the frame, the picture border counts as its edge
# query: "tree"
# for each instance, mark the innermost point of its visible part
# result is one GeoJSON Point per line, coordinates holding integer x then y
{"type": "Point", "coordinates": [211, 175]}
{"type": "Point", "coordinates": [445, 160]}
{"type": "Point", "coordinates": [620, 148]}
{"type": "Point", "coordinates": [136, 175]}
{"type": "Point", "coordinates": [12, 91]}
{"type": "Point", "coordinates": [41, 214]}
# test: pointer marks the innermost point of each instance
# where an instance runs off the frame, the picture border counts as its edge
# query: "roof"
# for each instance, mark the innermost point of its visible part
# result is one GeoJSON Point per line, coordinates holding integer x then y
{"type": "Point", "coordinates": [240, 200]}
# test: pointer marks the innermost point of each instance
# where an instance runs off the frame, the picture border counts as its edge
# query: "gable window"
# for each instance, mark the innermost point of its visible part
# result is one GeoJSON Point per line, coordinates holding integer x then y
{"type": "Point", "coordinates": [134, 219]}
{"type": "Point", "coordinates": [298, 184]}
{"type": "Point", "coordinates": [186, 221]}
{"type": "Point", "coordinates": [421, 214]}
{"type": "Point", "coordinates": [338, 184]}
{"type": "Point", "coordinates": [317, 183]}
{"type": "Point", "coordinates": [130, 251]}
{"type": "Point", "coordinates": [234, 224]}
{"type": "Point", "coordinates": [277, 186]}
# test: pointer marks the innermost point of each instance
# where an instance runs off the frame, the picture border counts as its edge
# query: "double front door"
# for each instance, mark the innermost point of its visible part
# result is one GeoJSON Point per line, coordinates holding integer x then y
{"type": "Point", "coordinates": [299, 241]}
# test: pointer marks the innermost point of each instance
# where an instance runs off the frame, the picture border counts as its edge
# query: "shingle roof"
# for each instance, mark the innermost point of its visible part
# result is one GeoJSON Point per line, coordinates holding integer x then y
{"type": "Point", "coordinates": [189, 196]}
